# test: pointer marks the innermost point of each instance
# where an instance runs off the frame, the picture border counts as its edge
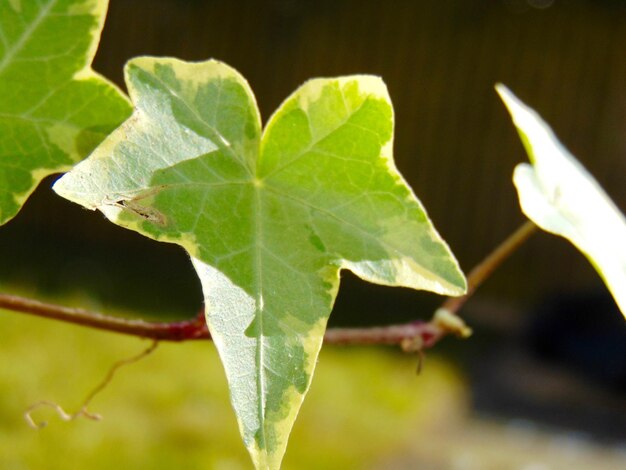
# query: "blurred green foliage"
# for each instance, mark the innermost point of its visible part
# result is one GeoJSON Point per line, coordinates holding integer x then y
{"type": "Point", "coordinates": [171, 410]}
{"type": "Point", "coordinates": [366, 410]}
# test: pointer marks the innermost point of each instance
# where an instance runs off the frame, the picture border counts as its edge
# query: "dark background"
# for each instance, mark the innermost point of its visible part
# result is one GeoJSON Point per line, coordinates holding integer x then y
{"type": "Point", "coordinates": [455, 145]}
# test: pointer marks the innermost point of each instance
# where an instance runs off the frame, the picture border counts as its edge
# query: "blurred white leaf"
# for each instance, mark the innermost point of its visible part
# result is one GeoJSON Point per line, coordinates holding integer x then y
{"type": "Point", "coordinates": [560, 196]}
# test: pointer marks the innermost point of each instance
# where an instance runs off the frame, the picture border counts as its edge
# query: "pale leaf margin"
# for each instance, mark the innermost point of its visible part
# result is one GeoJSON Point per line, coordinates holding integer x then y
{"type": "Point", "coordinates": [124, 192]}
{"type": "Point", "coordinates": [558, 194]}
{"type": "Point", "coordinates": [64, 135]}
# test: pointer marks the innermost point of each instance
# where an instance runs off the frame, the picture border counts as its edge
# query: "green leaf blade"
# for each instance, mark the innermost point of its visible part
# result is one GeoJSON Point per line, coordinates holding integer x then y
{"type": "Point", "coordinates": [53, 108]}
{"type": "Point", "coordinates": [561, 197]}
{"type": "Point", "coordinates": [270, 220]}
{"type": "Point", "coordinates": [343, 177]}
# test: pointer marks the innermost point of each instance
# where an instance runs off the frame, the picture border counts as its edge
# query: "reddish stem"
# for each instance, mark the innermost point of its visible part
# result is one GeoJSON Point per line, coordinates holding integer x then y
{"type": "Point", "coordinates": [413, 336]}
{"type": "Point", "coordinates": [196, 328]}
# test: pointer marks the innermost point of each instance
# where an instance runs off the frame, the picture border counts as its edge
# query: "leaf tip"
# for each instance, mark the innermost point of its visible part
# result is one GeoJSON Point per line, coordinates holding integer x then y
{"type": "Point", "coordinates": [501, 88]}
{"type": "Point", "coordinates": [513, 104]}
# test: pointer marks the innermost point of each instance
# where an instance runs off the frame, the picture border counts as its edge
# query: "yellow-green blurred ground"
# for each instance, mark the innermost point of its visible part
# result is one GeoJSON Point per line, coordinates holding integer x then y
{"type": "Point", "coordinates": [366, 410]}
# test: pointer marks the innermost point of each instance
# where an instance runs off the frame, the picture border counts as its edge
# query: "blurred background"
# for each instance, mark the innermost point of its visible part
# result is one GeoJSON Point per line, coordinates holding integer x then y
{"type": "Point", "coordinates": [541, 384]}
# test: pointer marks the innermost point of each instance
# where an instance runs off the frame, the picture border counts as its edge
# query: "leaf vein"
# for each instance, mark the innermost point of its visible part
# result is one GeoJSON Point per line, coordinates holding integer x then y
{"type": "Point", "coordinates": [26, 35]}
{"type": "Point", "coordinates": [314, 142]}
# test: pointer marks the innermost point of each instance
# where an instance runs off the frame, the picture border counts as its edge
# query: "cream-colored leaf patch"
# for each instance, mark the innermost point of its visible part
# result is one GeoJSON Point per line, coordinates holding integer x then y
{"type": "Point", "coordinates": [269, 217]}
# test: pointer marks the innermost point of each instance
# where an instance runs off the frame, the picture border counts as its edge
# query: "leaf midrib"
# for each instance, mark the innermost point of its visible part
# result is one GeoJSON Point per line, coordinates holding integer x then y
{"type": "Point", "coordinates": [362, 231]}
{"type": "Point", "coordinates": [223, 142]}
{"type": "Point", "coordinates": [314, 142]}
{"type": "Point", "coordinates": [259, 355]}
{"type": "Point", "coordinates": [26, 35]}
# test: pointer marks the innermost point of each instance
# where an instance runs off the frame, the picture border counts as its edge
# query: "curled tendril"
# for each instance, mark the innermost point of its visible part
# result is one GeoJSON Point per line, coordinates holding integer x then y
{"type": "Point", "coordinates": [83, 411]}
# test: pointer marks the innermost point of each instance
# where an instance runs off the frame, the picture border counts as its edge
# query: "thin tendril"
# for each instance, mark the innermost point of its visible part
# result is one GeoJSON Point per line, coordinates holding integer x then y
{"type": "Point", "coordinates": [83, 411]}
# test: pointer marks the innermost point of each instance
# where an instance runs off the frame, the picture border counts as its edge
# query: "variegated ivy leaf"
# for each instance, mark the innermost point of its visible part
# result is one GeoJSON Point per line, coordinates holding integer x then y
{"type": "Point", "coordinates": [269, 218]}
{"type": "Point", "coordinates": [54, 109]}
{"type": "Point", "coordinates": [561, 197]}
